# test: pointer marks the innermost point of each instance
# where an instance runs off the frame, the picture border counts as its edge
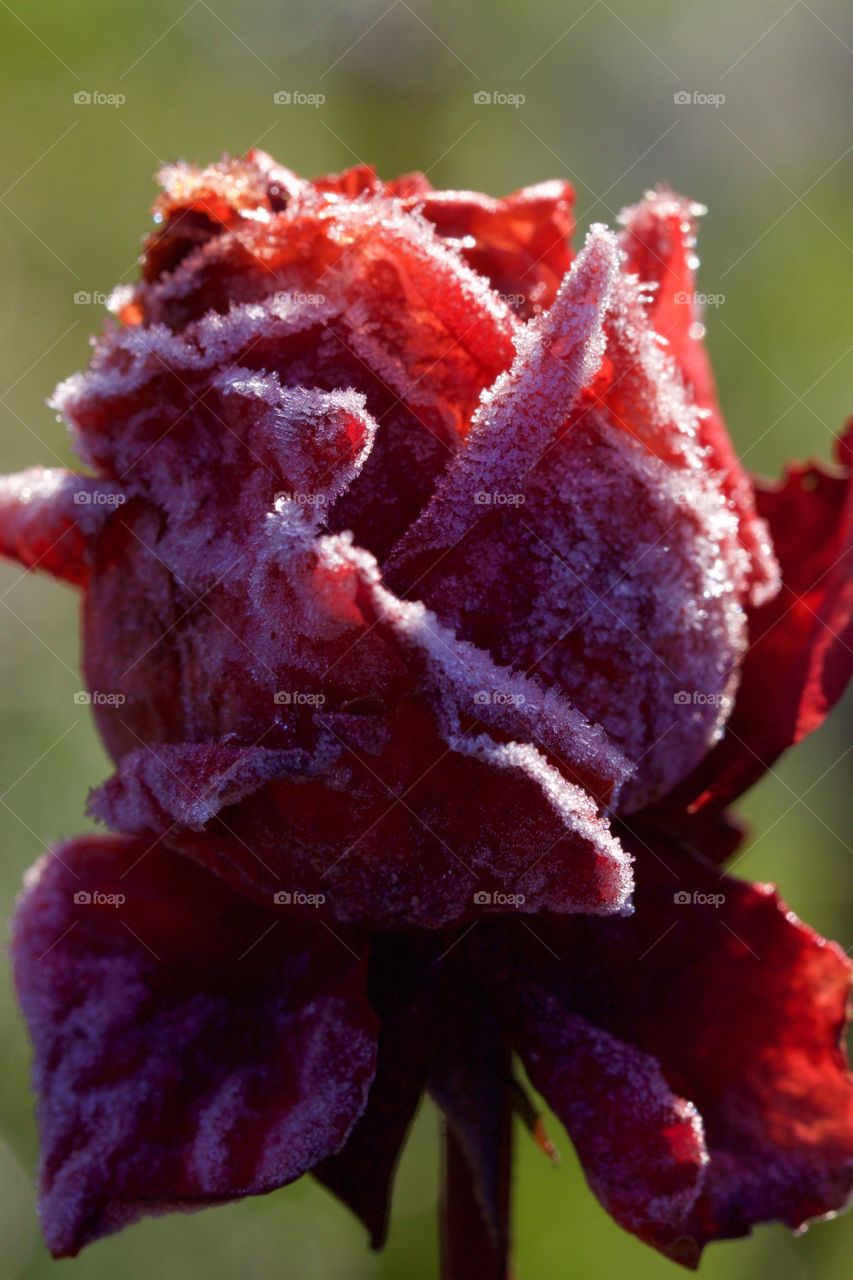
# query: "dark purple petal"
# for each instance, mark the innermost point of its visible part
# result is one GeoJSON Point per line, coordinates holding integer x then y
{"type": "Point", "coordinates": [189, 1046]}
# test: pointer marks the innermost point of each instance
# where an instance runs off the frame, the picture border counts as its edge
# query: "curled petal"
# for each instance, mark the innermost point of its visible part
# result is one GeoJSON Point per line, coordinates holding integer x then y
{"type": "Point", "coordinates": [448, 724]}
{"type": "Point", "coordinates": [49, 519]}
{"type": "Point", "coordinates": [187, 1050]}
{"type": "Point", "coordinates": [323, 292]}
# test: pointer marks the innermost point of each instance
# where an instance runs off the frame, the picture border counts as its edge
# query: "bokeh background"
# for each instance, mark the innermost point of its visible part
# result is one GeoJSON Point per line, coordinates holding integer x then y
{"type": "Point", "coordinates": [599, 84]}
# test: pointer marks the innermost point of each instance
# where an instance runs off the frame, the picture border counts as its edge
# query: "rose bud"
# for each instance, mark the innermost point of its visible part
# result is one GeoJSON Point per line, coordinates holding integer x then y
{"type": "Point", "coordinates": [431, 624]}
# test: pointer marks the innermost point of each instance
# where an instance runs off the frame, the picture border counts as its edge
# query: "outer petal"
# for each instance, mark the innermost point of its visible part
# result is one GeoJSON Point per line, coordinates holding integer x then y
{"type": "Point", "coordinates": [800, 655]}
{"type": "Point", "coordinates": [50, 518]}
{"type": "Point", "coordinates": [187, 1050]}
{"type": "Point", "coordinates": [743, 1008]}
{"type": "Point", "coordinates": [641, 1145]}
{"type": "Point", "coordinates": [659, 240]}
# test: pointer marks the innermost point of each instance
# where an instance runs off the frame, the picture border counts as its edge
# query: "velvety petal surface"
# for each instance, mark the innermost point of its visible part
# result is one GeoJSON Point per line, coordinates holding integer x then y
{"type": "Point", "coordinates": [713, 994]}
{"type": "Point", "coordinates": [189, 1047]}
{"type": "Point", "coordinates": [800, 655]}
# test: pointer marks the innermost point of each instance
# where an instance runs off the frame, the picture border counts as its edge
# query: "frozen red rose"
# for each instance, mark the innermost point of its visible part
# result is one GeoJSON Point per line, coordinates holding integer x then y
{"type": "Point", "coordinates": [422, 590]}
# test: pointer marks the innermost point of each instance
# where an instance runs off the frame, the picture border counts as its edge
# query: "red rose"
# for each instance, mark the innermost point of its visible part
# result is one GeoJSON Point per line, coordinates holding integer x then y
{"type": "Point", "coordinates": [423, 591]}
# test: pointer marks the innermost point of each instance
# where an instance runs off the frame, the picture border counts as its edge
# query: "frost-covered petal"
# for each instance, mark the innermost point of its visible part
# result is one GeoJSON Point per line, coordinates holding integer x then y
{"type": "Point", "coordinates": [641, 1145]}
{"type": "Point", "coordinates": [743, 1009]}
{"type": "Point", "coordinates": [800, 655]}
{"type": "Point", "coordinates": [480, 782]}
{"type": "Point", "coordinates": [601, 553]}
{"type": "Point", "coordinates": [187, 1049]}
{"type": "Point", "coordinates": [49, 519]}
{"type": "Point", "coordinates": [659, 239]}
{"type": "Point", "coordinates": [320, 291]}
{"type": "Point", "coordinates": [519, 243]}
{"type": "Point", "coordinates": [556, 355]}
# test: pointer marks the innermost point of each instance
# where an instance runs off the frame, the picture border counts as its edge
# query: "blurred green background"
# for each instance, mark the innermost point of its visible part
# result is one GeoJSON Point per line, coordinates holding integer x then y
{"type": "Point", "coordinates": [599, 83]}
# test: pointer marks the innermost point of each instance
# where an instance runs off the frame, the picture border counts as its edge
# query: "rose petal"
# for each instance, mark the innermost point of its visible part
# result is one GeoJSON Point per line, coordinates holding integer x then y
{"type": "Point", "coordinates": [642, 1146]}
{"type": "Point", "coordinates": [660, 242]}
{"type": "Point", "coordinates": [326, 292]}
{"type": "Point", "coordinates": [478, 781]}
{"type": "Point", "coordinates": [556, 356]}
{"type": "Point", "coordinates": [800, 656]}
{"type": "Point", "coordinates": [520, 243]}
{"type": "Point", "coordinates": [743, 1008]}
{"type": "Point", "coordinates": [187, 1050]}
{"type": "Point", "coordinates": [50, 518]}
{"type": "Point", "coordinates": [603, 556]}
